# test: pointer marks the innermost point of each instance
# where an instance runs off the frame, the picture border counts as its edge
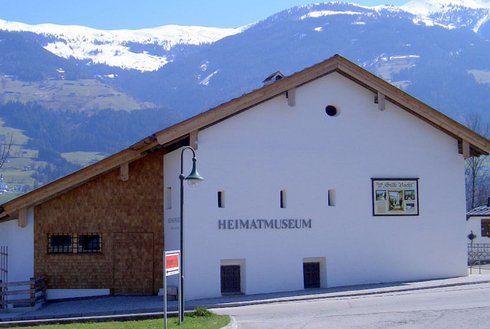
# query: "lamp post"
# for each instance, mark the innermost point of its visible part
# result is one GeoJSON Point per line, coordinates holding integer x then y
{"type": "Point", "coordinates": [192, 179]}
{"type": "Point", "coordinates": [472, 236]}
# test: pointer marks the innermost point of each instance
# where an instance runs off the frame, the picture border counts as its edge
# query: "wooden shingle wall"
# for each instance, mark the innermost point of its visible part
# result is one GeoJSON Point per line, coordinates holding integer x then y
{"type": "Point", "coordinates": [121, 211]}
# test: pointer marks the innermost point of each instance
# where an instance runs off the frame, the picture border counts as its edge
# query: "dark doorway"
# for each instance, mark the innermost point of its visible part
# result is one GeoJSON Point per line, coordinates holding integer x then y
{"type": "Point", "coordinates": [311, 275]}
{"type": "Point", "coordinates": [230, 279]}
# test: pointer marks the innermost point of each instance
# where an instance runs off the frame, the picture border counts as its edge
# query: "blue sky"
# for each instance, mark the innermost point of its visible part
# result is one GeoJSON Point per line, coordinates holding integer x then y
{"type": "Point", "coordinates": [132, 14]}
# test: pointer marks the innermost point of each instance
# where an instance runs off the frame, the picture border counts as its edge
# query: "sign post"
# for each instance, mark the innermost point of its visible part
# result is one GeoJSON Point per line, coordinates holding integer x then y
{"type": "Point", "coordinates": [171, 266]}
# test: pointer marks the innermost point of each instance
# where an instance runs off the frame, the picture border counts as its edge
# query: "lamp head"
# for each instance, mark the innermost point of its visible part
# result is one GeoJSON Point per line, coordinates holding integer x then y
{"type": "Point", "coordinates": [194, 178]}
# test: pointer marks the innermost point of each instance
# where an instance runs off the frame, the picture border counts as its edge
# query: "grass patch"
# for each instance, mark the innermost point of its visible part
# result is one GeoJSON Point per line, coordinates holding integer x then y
{"type": "Point", "coordinates": [18, 137]}
{"type": "Point", "coordinates": [201, 312]}
{"type": "Point", "coordinates": [7, 196]}
{"type": "Point", "coordinates": [213, 321]}
{"type": "Point", "coordinates": [14, 177]}
{"type": "Point", "coordinates": [82, 158]}
{"type": "Point", "coordinates": [18, 151]}
{"type": "Point", "coordinates": [79, 95]}
{"type": "Point", "coordinates": [18, 163]}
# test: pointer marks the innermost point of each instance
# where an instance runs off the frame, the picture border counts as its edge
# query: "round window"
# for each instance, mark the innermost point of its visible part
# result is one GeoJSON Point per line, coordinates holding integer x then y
{"type": "Point", "coordinates": [331, 110]}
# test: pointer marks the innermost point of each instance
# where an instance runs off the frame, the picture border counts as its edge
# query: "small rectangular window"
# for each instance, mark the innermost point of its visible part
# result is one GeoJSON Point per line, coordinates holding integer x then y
{"type": "Point", "coordinates": [311, 275]}
{"type": "Point", "coordinates": [221, 199]}
{"type": "Point", "coordinates": [60, 243]}
{"type": "Point", "coordinates": [331, 198]}
{"type": "Point", "coordinates": [230, 279]}
{"type": "Point", "coordinates": [282, 198]}
{"type": "Point", "coordinates": [232, 276]}
{"type": "Point", "coordinates": [89, 243]}
{"type": "Point", "coordinates": [168, 197]}
{"type": "Point", "coordinates": [485, 227]}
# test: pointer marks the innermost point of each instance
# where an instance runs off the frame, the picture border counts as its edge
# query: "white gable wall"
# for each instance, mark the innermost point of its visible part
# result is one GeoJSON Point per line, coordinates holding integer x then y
{"type": "Point", "coordinates": [257, 153]}
{"type": "Point", "coordinates": [20, 242]}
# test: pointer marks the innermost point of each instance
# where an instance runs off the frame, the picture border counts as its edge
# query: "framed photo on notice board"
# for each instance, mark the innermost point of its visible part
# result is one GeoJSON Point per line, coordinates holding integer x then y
{"type": "Point", "coordinates": [395, 196]}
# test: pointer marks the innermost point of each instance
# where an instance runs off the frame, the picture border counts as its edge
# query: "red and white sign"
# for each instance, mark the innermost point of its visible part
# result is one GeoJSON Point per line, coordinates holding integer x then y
{"type": "Point", "coordinates": [172, 259]}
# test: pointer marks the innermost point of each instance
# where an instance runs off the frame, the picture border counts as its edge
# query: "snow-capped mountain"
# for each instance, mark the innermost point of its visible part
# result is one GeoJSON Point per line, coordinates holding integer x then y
{"type": "Point", "coordinates": [450, 13]}
{"type": "Point", "coordinates": [116, 47]}
{"type": "Point", "coordinates": [150, 49]}
{"type": "Point", "coordinates": [426, 7]}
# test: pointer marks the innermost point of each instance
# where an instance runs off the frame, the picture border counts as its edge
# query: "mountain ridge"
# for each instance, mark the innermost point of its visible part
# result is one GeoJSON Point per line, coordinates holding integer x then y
{"type": "Point", "coordinates": [112, 47]}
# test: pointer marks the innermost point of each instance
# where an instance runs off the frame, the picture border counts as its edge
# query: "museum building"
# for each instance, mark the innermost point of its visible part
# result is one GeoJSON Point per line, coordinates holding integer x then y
{"type": "Point", "coordinates": [328, 177]}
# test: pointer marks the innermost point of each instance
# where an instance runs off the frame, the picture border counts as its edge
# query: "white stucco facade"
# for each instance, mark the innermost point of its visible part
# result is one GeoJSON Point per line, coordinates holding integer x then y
{"type": "Point", "coordinates": [20, 243]}
{"type": "Point", "coordinates": [255, 154]}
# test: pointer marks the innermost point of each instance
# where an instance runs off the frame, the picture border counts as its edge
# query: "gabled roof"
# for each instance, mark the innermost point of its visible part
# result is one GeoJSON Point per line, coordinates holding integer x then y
{"type": "Point", "coordinates": [478, 212]}
{"type": "Point", "coordinates": [473, 143]}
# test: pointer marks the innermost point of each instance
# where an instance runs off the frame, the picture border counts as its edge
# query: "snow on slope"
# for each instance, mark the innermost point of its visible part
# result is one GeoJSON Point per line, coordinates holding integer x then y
{"type": "Point", "coordinates": [321, 13]}
{"type": "Point", "coordinates": [116, 47]}
{"type": "Point", "coordinates": [450, 13]}
{"type": "Point", "coordinates": [112, 47]}
{"type": "Point", "coordinates": [426, 7]}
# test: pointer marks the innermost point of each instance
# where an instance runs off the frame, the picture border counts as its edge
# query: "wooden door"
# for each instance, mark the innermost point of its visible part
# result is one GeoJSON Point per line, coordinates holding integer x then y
{"type": "Point", "coordinates": [133, 263]}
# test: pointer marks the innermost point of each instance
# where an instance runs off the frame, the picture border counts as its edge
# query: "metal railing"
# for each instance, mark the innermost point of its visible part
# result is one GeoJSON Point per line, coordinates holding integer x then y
{"type": "Point", "coordinates": [478, 255]}
{"type": "Point", "coordinates": [23, 293]}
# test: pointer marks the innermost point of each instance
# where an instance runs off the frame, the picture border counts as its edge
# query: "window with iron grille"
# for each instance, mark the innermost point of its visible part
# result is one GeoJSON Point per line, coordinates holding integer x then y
{"type": "Point", "coordinates": [68, 243]}
{"type": "Point", "coordinates": [60, 243]}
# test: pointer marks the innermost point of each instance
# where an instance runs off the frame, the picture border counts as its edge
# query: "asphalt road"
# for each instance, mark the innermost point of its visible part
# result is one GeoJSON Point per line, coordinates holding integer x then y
{"type": "Point", "coordinates": [441, 308]}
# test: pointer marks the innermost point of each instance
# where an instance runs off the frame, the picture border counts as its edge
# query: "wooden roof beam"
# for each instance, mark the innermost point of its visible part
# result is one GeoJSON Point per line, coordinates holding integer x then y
{"type": "Point", "coordinates": [124, 171]}
{"type": "Point", "coordinates": [465, 149]}
{"type": "Point", "coordinates": [22, 220]}
{"type": "Point", "coordinates": [291, 96]}
{"type": "Point", "coordinates": [193, 139]}
{"type": "Point", "coordinates": [380, 99]}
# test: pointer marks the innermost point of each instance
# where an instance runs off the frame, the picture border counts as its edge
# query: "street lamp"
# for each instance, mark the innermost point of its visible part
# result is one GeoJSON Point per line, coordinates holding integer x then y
{"type": "Point", "coordinates": [192, 179]}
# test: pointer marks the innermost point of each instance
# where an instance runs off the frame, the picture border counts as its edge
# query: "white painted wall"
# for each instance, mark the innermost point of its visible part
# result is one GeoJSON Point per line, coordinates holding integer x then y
{"type": "Point", "coordinates": [255, 154]}
{"type": "Point", "coordinates": [54, 294]}
{"type": "Point", "coordinates": [474, 224]}
{"type": "Point", "coordinates": [20, 242]}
